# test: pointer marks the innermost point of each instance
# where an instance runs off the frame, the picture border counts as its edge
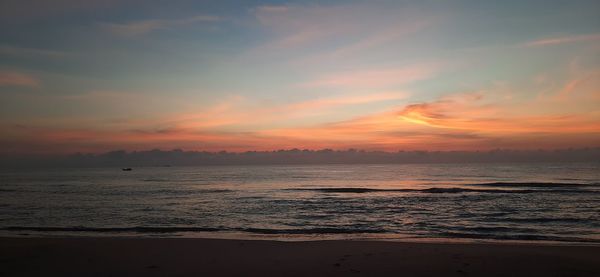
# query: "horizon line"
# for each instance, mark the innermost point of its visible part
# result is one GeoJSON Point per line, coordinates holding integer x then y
{"type": "Point", "coordinates": [305, 150]}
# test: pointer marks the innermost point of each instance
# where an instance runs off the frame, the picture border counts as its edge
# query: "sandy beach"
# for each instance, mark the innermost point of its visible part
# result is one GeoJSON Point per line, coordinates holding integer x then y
{"type": "Point", "coordinates": [217, 257]}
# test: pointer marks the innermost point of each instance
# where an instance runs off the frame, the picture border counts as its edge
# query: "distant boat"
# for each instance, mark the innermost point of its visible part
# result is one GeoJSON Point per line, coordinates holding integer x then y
{"type": "Point", "coordinates": [127, 169]}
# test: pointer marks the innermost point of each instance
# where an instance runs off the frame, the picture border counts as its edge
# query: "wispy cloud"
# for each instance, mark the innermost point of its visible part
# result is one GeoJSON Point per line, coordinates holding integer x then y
{"type": "Point", "coordinates": [272, 9]}
{"type": "Point", "coordinates": [24, 10]}
{"type": "Point", "coordinates": [374, 78]}
{"type": "Point", "coordinates": [325, 103]}
{"type": "Point", "coordinates": [563, 40]}
{"type": "Point", "coordinates": [11, 78]}
{"type": "Point", "coordinates": [385, 35]}
{"type": "Point", "coordinates": [298, 25]}
{"type": "Point", "coordinates": [578, 84]}
{"type": "Point", "coordinates": [357, 26]}
{"type": "Point", "coordinates": [146, 26]}
{"type": "Point", "coordinates": [239, 113]}
{"type": "Point", "coordinates": [31, 52]}
{"type": "Point", "coordinates": [102, 95]}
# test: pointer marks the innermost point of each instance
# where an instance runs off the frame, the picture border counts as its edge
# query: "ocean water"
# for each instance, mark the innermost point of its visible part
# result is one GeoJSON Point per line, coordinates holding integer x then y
{"type": "Point", "coordinates": [500, 202]}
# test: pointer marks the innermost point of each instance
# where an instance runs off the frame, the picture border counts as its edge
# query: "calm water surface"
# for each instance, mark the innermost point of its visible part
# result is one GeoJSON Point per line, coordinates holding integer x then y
{"type": "Point", "coordinates": [527, 202]}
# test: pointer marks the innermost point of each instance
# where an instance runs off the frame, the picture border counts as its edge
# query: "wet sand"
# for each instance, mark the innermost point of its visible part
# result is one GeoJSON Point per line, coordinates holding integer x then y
{"type": "Point", "coordinates": [215, 257]}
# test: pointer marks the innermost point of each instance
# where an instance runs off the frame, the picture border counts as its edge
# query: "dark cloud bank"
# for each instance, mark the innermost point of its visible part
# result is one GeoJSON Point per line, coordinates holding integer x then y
{"type": "Point", "coordinates": [295, 156]}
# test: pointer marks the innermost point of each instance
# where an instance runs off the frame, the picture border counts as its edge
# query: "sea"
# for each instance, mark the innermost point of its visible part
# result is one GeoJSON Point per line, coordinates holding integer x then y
{"type": "Point", "coordinates": [537, 202]}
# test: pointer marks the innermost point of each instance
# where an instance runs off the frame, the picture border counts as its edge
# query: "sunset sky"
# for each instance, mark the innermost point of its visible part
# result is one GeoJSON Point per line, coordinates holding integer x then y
{"type": "Point", "coordinates": [94, 76]}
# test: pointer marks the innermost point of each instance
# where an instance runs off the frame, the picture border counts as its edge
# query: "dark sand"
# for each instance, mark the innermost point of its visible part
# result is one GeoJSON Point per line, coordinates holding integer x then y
{"type": "Point", "coordinates": [212, 257]}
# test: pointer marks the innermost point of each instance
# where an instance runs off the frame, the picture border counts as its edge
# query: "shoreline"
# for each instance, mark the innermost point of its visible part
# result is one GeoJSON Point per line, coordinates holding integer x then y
{"type": "Point", "coordinates": [140, 256]}
{"type": "Point", "coordinates": [295, 238]}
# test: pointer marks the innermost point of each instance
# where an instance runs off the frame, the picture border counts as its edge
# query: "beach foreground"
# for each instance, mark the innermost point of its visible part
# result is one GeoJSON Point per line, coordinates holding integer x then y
{"type": "Point", "coordinates": [216, 257]}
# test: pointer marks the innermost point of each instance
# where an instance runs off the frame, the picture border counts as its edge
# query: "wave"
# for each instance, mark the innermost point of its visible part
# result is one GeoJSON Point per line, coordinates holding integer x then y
{"type": "Point", "coordinates": [170, 180]}
{"type": "Point", "coordinates": [517, 237]}
{"type": "Point", "coordinates": [179, 191]}
{"type": "Point", "coordinates": [494, 233]}
{"type": "Point", "coordinates": [112, 229]}
{"type": "Point", "coordinates": [352, 190]}
{"type": "Point", "coordinates": [312, 231]}
{"type": "Point", "coordinates": [189, 191]}
{"type": "Point", "coordinates": [443, 190]}
{"type": "Point", "coordinates": [307, 231]}
{"type": "Point", "coordinates": [159, 180]}
{"type": "Point", "coordinates": [548, 220]}
{"type": "Point", "coordinates": [533, 184]}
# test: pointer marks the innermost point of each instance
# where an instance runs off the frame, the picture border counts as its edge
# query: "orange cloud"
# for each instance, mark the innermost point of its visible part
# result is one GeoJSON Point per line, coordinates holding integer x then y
{"type": "Point", "coordinates": [494, 119]}
{"type": "Point", "coordinates": [440, 128]}
{"type": "Point", "coordinates": [457, 122]}
{"type": "Point", "coordinates": [237, 112]}
{"type": "Point", "coordinates": [23, 139]}
{"type": "Point", "coordinates": [10, 78]}
{"type": "Point", "coordinates": [331, 102]}
{"type": "Point", "coordinates": [464, 121]}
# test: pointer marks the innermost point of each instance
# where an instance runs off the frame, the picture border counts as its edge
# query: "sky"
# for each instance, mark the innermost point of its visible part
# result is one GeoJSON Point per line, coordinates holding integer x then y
{"type": "Point", "coordinates": [94, 76]}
